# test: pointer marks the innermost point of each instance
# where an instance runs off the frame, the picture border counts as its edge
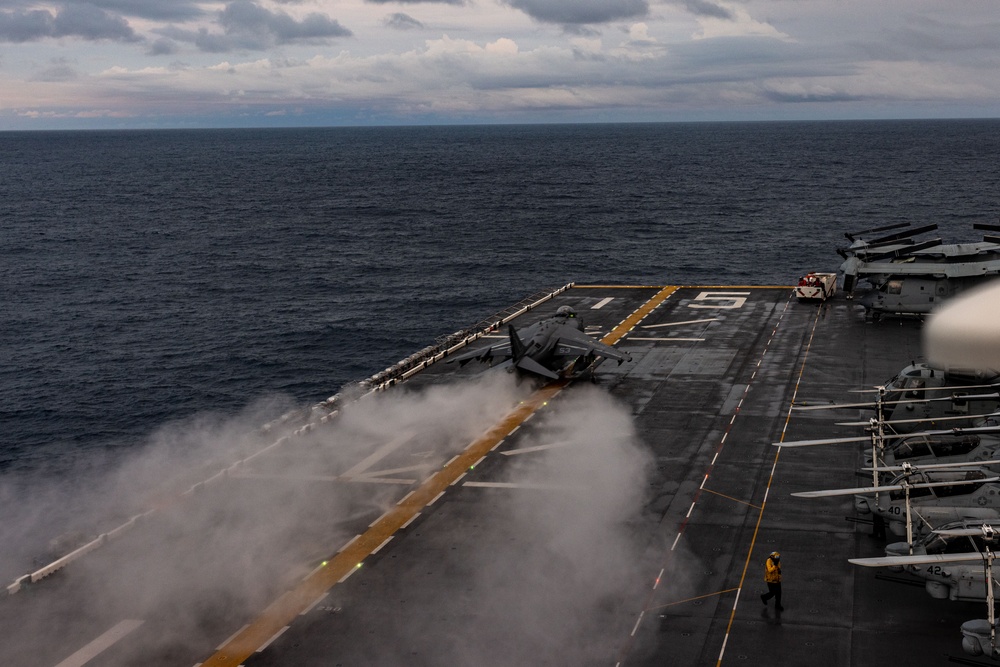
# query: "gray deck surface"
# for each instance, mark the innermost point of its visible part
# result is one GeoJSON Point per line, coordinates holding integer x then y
{"type": "Point", "coordinates": [627, 542]}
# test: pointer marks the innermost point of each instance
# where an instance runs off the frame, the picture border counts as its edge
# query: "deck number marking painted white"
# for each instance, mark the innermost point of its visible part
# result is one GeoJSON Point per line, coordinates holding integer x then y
{"type": "Point", "coordinates": [724, 299]}
{"type": "Point", "coordinates": [603, 302]}
{"type": "Point", "coordinates": [105, 641]}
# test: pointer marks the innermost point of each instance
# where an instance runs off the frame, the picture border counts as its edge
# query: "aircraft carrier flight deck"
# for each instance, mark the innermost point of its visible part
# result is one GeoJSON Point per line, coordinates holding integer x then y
{"type": "Point", "coordinates": [644, 545]}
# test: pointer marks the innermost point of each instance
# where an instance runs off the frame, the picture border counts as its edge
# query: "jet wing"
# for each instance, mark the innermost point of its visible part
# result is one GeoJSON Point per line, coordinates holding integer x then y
{"type": "Point", "coordinates": [498, 351]}
{"type": "Point", "coordinates": [574, 343]}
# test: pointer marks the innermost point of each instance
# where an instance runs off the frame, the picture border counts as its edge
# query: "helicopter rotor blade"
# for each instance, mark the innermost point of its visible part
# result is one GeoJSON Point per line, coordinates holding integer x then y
{"type": "Point", "coordinates": [865, 490]}
{"type": "Point", "coordinates": [905, 235]}
{"type": "Point", "coordinates": [845, 406]}
{"type": "Point", "coordinates": [901, 252]}
{"type": "Point", "coordinates": [923, 420]}
{"type": "Point", "coordinates": [910, 389]}
{"type": "Point", "coordinates": [899, 225]}
{"type": "Point", "coordinates": [933, 466]}
{"type": "Point", "coordinates": [825, 441]}
{"type": "Point", "coordinates": [927, 559]}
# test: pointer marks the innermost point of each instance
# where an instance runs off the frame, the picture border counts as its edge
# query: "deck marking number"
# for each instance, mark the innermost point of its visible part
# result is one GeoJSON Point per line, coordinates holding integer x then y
{"type": "Point", "coordinates": [724, 299]}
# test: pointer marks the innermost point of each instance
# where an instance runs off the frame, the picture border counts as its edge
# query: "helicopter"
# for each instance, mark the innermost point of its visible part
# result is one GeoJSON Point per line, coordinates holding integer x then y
{"type": "Point", "coordinates": [947, 492]}
{"type": "Point", "coordinates": [960, 581]}
{"type": "Point", "coordinates": [979, 636]}
{"type": "Point", "coordinates": [911, 277]}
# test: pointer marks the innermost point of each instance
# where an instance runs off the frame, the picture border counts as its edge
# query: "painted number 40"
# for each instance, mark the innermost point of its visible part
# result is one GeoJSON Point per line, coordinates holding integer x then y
{"type": "Point", "coordinates": [720, 300]}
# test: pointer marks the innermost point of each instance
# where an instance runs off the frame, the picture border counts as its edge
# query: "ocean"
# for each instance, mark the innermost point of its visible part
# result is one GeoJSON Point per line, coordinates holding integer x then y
{"type": "Point", "coordinates": [152, 277]}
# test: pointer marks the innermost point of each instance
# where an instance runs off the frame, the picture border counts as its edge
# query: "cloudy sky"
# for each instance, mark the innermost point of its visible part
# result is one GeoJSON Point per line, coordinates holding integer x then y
{"type": "Point", "coordinates": [195, 63]}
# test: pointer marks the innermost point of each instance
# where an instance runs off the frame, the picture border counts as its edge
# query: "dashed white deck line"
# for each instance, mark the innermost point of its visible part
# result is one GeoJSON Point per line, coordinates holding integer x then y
{"type": "Point", "coordinates": [676, 540]}
{"type": "Point", "coordinates": [410, 520]}
{"type": "Point", "coordinates": [349, 573]}
{"type": "Point", "coordinates": [384, 542]}
{"type": "Point", "coordinates": [531, 450]}
{"type": "Point", "coordinates": [228, 640]}
{"type": "Point", "coordinates": [101, 644]}
{"type": "Point", "coordinates": [677, 324]}
{"type": "Point", "coordinates": [635, 628]}
{"type": "Point", "coordinates": [603, 302]}
{"type": "Point", "coordinates": [271, 640]}
{"type": "Point", "coordinates": [459, 479]}
{"type": "Point", "coordinates": [379, 454]}
{"type": "Point", "coordinates": [435, 499]}
{"type": "Point", "coordinates": [512, 485]}
{"type": "Point", "coordinates": [671, 339]}
{"type": "Point", "coordinates": [314, 604]}
{"type": "Point", "coordinates": [481, 459]}
{"type": "Point", "coordinates": [349, 543]}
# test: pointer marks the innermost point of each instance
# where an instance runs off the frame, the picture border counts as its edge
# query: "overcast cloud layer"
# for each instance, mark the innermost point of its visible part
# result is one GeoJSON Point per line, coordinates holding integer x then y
{"type": "Point", "coordinates": [149, 63]}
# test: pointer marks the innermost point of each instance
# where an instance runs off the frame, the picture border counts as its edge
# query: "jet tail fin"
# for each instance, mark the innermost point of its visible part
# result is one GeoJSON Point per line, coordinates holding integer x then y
{"type": "Point", "coordinates": [521, 360]}
{"type": "Point", "coordinates": [517, 347]}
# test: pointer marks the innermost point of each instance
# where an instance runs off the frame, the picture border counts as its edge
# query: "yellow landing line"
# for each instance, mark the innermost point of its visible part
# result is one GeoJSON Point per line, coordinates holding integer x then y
{"type": "Point", "coordinates": [285, 609]}
{"type": "Point", "coordinates": [767, 490]}
{"type": "Point", "coordinates": [700, 597]}
{"type": "Point", "coordinates": [735, 500]}
{"type": "Point", "coordinates": [639, 315]}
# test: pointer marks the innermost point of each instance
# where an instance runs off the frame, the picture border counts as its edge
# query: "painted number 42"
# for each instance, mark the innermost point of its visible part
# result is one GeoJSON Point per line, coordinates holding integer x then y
{"type": "Point", "coordinates": [720, 300]}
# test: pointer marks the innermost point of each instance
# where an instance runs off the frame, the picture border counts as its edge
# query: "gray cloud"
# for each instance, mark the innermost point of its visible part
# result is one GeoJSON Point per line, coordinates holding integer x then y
{"type": "Point", "coordinates": [86, 21]}
{"type": "Point", "coordinates": [706, 8]}
{"type": "Point", "coordinates": [247, 25]}
{"type": "Point", "coordinates": [162, 47]}
{"type": "Point", "coordinates": [91, 22]}
{"type": "Point", "coordinates": [400, 21]}
{"type": "Point", "coordinates": [25, 26]}
{"type": "Point", "coordinates": [174, 10]}
{"type": "Point", "coordinates": [415, 2]}
{"type": "Point", "coordinates": [581, 11]}
{"type": "Point", "coordinates": [60, 70]}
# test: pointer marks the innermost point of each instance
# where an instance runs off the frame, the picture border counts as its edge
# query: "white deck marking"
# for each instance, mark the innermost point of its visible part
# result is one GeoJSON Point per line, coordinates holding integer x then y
{"type": "Point", "coordinates": [102, 643]}
{"type": "Point", "coordinates": [333, 478]}
{"type": "Point", "coordinates": [269, 641]}
{"type": "Point", "coordinates": [349, 543]}
{"type": "Point", "coordinates": [514, 485]}
{"type": "Point", "coordinates": [677, 324]}
{"type": "Point", "coordinates": [410, 520]}
{"type": "Point", "coordinates": [384, 542]}
{"type": "Point", "coordinates": [603, 302]}
{"type": "Point", "coordinates": [676, 340]}
{"type": "Point", "coordinates": [538, 448]}
{"type": "Point", "coordinates": [225, 642]}
{"type": "Point", "coordinates": [378, 454]}
{"type": "Point", "coordinates": [313, 605]}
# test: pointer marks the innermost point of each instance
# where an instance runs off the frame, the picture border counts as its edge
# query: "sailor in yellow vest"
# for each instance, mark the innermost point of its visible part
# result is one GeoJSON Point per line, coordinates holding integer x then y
{"type": "Point", "coordinates": [772, 577]}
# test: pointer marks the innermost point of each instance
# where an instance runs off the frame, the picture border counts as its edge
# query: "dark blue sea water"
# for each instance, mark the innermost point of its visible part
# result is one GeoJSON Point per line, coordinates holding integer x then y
{"type": "Point", "coordinates": [150, 276]}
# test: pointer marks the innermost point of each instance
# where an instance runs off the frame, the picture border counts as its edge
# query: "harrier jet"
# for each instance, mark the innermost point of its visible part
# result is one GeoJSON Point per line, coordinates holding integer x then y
{"type": "Point", "coordinates": [553, 348]}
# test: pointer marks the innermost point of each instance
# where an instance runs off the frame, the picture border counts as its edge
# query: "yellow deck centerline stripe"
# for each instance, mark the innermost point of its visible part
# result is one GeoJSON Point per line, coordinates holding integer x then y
{"type": "Point", "coordinates": [286, 608]}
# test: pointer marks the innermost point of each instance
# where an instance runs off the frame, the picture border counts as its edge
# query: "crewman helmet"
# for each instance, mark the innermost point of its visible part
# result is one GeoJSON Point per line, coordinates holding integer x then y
{"type": "Point", "coordinates": [775, 555]}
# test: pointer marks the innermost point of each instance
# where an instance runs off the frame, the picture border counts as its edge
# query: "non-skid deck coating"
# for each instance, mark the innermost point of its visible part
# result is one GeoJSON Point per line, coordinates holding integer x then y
{"type": "Point", "coordinates": [713, 375]}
